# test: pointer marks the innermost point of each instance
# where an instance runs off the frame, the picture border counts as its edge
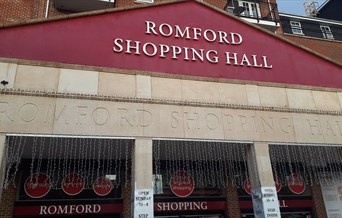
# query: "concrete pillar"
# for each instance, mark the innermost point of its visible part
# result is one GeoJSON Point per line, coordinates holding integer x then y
{"type": "Point", "coordinates": [2, 161]}
{"type": "Point", "coordinates": [264, 194]}
{"type": "Point", "coordinates": [142, 179]}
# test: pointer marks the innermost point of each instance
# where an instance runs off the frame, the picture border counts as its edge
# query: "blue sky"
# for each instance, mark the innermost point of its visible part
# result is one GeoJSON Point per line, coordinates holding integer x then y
{"type": "Point", "coordinates": [294, 6]}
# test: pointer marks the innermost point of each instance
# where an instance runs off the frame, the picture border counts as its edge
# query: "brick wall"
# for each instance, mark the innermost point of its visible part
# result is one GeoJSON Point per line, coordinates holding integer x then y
{"type": "Point", "coordinates": [217, 3]}
{"type": "Point", "coordinates": [7, 202]}
{"type": "Point", "coordinates": [328, 48]}
{"type": "Point", "coordinates": [21, 10]}
{"type": "Point", "coordinates": [127, 196]}
{"type": "Point", "coordinates": [232, 201]}
{"type": "Point", "coordinates": [317, 197]}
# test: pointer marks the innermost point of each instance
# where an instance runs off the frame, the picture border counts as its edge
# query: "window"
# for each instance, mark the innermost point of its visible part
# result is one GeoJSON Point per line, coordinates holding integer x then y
{"type": "Point", "coordinates": [143, 1]}
{"type": "Point", "coordinates": [296, 28]}
{"type": "Point", "coordinates": [327, 34]}
{"type": "Point", "coordinates": [251, 9]}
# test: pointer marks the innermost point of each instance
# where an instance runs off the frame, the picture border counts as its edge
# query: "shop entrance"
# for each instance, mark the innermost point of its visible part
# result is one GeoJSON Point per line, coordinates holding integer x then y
{"type": "Point", "coordinates": [193, 216]}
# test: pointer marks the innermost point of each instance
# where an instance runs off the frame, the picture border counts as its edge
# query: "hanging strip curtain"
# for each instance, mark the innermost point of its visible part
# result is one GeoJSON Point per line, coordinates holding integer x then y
{"type": "Point", "coordinates": [60, 156]}
{"type": "Point", "coordinates": [211, 164]}
{"type": "Point", "coordinates": [315, 164]}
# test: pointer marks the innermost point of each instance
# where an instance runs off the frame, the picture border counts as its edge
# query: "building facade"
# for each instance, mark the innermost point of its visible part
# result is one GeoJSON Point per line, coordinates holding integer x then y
{"type": "Point", "coordinates": [329, 10]}
{"type": "Point", "coordinates": [149, 112]}
{"type": "Point", "coordinates": [261, 12]}
{"type": "Point", "coordinates": [311, 27]}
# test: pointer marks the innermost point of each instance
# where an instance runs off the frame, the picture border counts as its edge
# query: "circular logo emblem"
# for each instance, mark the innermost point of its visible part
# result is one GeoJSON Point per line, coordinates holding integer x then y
{"type": "Point", "coordinates": [37, 185]}
{"type": "Point", "coordinates": [73, 184]}
{"type": "Point", "coordinates": [247, 187]}
{"type": "Point", "coordinates": [277, 183]}
{"type": "Point", "coordinates": [296, 184]}
{"type": "Point", "coordinates": [102, 186]}
{"type": "Point", "coordinates": [182, 184]}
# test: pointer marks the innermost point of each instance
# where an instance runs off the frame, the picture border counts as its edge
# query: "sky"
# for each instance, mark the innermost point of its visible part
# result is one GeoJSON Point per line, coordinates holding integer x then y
{"type": "Point", "coordinates": [294, 6]}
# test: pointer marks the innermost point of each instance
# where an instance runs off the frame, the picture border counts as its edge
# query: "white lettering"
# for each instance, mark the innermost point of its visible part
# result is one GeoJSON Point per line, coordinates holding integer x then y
{"type": "Point", "coordinates": [168, 27]}
{"type": "Point", "coordinates": [235, 36]}
{"type": "Point", "coordinates": [212, 33]}
{"type": "Point", "coordinates": [154, 49]}
{"type": "Point", "coordinates": [42, 210]}
{"type": "Point", "coordinates": [52, 209]}
{"type": "Point", "coordinates": [118, 42]}
{"type": "Point", "coordinates": [182, 206]}
{"type": "Point", "coordinates": [69, 209]}
{"type": "Point", "coordinates": [150, 27]}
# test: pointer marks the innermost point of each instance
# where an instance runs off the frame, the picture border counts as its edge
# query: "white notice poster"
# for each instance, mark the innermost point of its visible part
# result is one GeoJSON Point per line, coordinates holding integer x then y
{"type": "Point", "coordinates": [143, 203]}
{"type": "Point", "coordinates": [265, 202]}
{"type": "Point", "coordinates": [332, 195]}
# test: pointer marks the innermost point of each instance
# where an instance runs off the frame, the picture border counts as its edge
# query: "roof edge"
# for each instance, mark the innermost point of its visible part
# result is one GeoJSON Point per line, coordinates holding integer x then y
{"type": "Point", "coordinates": [167, 2]}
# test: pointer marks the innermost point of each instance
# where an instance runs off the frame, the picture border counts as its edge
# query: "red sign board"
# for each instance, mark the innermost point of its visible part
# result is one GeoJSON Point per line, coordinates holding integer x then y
{"type": "Point", "coordinates": [73, 184]}
{"type": "Point", "coordinates": [296, 184]}
{"type": "Point", "coordinates": [182, 184]}
{"type": "Point", "coordinates": [102, 186]}
{"type": "Point", "coordinates": [67, 209]}
{"type": "Point", "coordinates": [37, 185]}
{"type": "Point", "coordinates": [292, 204]}
{"type": "Point", "coordinates": [172, 43]}
{"type": "Point", "coordinates": [189, 206]}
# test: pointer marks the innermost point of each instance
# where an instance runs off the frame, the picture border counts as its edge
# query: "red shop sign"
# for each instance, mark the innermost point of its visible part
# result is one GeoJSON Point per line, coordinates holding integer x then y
{"type": "Point", "coordinates": [56, 209]}
{"type": "Point", "coordinates": [182, 184]}
{"type": "Point", "coordinates": [102, 186]}
{"type": "Point", "coordinates": [189, 206]}
{"type": "Point", "coordinates": [247, 187]}
{"type": "Point", "coordinates": [73, 184]}
{"type": "Point", "coordinates": [37, 185]}
{"type": "Point", "coordinates": [277, 183]}
{"type": "Point", "coordinates": [296, 184]}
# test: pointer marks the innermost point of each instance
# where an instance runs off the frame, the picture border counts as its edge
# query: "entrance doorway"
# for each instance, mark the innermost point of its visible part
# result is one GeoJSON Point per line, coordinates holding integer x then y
{"type": "Point", "coordinates": [193, 216]}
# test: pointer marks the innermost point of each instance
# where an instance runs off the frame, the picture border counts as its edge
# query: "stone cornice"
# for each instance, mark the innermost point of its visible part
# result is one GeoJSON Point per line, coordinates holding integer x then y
{"type": "Point", "coordinates": [190, 103]}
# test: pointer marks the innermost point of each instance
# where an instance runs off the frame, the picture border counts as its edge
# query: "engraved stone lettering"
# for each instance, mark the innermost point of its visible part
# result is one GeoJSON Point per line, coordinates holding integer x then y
{"type": "Point", "coordinates": [100, 115]}
{"type": "Point", "coordinates": [3, 110]}
{"type": "Point", "coordinates": [328, 130]}
{"type": "Point", "coordinates": [28, 112]}
{"type": "Point", "coordinates": [49, 114]}
{"type": "Point", "coordinates": [339, 127]}
{"type": "Point", "coordinates": [191, 120]}
{"type": "Point", "coordinates": [267, 123]}
{"type": "Point", "coordinates": [123, 117]}
{"type": "Point", "coordinates": [174, 119]}
{"type": "Point", "coordinates": [63, 113]}
{"type": "Point", "coordinates": [81, 113]}
{"type": "Point", "coordinates": [314, 127]}
{"type": "Point", "coordinates": [145, 118]}
{"type": "Point", "coordinates": [285, 125]}
{"type": "Point", "coordinates": [243, 122]}
{"type": "Point", "coordinates": [212, 121]}
{"type": "Point", "coordinates": [229, 119]}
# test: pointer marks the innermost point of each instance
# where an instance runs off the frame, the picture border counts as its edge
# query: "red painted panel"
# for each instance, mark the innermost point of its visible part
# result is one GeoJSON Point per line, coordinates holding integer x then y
{"type": "Point", "coordinates": [189, 206]}
{"type": "Point", "coordinates": [89, 41]}
{"type": "Point", "coordinates": [305, 203]}
{"type": "Point", "coordinates": [61, 209]}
